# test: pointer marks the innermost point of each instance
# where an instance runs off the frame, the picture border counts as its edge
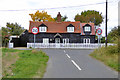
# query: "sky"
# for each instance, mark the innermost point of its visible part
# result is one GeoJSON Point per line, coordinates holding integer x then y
{"type": "Point", "coordinates": [18, 10]}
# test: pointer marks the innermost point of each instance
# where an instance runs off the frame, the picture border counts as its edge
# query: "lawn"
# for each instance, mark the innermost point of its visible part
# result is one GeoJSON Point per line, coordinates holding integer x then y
{"type": "Point", "coordinates": [107, 55]}
{"type": "Point", "coordinates": [23, 63]}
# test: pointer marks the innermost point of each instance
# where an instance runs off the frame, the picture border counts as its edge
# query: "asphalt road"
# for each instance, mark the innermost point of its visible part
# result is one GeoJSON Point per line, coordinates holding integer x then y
{"type": "Point", "coordinates": [66, 63]}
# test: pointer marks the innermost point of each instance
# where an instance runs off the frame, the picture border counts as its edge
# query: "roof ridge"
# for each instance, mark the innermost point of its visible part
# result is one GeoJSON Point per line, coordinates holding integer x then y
{"type": "Point", "coordinates": [55, 22]}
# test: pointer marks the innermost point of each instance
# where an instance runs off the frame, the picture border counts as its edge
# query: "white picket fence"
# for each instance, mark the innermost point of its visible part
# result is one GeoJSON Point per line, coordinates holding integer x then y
{"type": "Point", "coordinates": [68, 45]}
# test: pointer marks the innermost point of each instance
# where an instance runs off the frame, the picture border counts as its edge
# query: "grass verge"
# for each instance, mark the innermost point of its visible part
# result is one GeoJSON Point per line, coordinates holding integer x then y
{"type": "Point", "coordinates": [23, 63]}
{"type": "Point", "coordinates": [108, 56]}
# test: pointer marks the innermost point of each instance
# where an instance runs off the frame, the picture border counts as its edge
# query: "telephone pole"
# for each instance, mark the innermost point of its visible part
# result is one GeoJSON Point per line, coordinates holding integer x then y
{"type": "Point", "coordinates": [106, 25]}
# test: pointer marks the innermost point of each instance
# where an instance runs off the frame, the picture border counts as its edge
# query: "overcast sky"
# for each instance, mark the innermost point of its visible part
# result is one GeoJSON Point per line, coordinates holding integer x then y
{"type": "Point", "coordinates": [18, 10]}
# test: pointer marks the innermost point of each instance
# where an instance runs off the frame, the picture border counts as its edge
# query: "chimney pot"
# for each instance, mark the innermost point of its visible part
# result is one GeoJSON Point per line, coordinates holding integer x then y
{"type": "Point", "coordinates": [59, 17]}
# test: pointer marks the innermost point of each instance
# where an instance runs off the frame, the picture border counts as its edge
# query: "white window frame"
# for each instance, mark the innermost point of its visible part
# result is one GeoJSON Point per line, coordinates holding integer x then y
{"type": "Point", "coordinates": [45, 40]}
{"type": "Point", "coordinates": [87, 29]}
{"type": "Point", "coordinates": [86, 40]}
{"type": "Point", "coordinates": [66, 40]}
{"type": "Point", "coordinates": [70, 29]}
{"type": "Point", "coordinates": [42, 29]}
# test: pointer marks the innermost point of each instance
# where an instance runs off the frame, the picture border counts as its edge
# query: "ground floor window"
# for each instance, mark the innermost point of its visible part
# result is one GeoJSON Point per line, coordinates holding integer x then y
{"type": "Point", "coordinates": [86, 40]}
{"type": "Point", "coordinates": [66, 40]}
{"type": "Point", "coordinates": [45, 40]}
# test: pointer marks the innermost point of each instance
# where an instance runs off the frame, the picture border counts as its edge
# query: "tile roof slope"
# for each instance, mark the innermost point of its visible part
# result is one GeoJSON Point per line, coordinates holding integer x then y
{"type": "Point", "coordinates": [56, 27]}
{"type": "Point", "coordinates": [60, 27]}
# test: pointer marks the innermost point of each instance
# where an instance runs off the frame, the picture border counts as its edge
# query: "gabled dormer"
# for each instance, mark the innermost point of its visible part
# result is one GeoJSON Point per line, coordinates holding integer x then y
{"type": "Point", "coordinates": [70, 28]}
{"type": "Point", "coordinates": [42, 28]}
{"type": "Point", "coordinates": [87, 29]}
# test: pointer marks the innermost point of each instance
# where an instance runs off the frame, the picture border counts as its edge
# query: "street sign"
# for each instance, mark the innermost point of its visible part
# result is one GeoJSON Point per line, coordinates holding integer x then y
{"type": "Point", "coordinates": [99, 31]}
{"type": "Point", "coordinates": [35, 30]}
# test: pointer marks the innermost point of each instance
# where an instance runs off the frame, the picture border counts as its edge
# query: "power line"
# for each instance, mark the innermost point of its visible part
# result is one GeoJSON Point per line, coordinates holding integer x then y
{"type": "Point", "coordinates": [59, 7]}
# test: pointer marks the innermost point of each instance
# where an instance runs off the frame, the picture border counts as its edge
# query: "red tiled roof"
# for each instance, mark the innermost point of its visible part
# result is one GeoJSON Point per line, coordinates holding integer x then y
{"type": "Point", "coordinates": [61, 27]}
{"type": "Point", "coordinates": [56, 27]}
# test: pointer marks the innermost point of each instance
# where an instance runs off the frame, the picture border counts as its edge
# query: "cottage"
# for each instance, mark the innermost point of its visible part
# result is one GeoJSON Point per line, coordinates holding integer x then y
{"type": "Point", "coordinates": [61, 32]}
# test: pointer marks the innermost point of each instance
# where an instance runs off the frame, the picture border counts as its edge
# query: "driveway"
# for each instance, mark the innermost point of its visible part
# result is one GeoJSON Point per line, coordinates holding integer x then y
{"type": "Point", "coordinates": [68, 63]}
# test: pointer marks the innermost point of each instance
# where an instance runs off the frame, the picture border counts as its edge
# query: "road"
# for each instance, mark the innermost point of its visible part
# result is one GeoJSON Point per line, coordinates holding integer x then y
{"type": "Point", "coordinates": [68, 63]}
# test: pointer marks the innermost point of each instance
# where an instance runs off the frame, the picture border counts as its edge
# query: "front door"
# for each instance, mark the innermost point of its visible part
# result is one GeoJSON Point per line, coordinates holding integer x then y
{"type": "Point", "coordinates": [57, 41]}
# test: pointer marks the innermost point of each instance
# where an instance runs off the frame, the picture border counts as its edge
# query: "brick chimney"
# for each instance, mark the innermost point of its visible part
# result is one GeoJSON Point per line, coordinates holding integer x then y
{"type": "Point", "coordinates": [59, 17]}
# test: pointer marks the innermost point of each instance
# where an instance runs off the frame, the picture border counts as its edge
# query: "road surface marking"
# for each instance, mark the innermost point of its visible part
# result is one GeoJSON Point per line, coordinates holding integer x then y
{"type": "Point", "coordinates": [64, 51]}
{"type": "Point", "coordinates": [67, 55]}
{"type": "Point", "coordinates": [76, 65]}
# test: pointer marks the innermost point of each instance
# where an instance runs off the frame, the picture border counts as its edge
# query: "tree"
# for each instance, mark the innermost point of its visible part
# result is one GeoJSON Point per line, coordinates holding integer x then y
{"type": "Point", "coordinates": [90, 16]}
{"type": "Point", "coordinates": [113, 35]}
{"type": "Point", "coordinates": [5, 36]}
{"type": "Point", "coordinates": [14, 29]}
{"type": "Point", "coordinates": [11, 29]}
{"type": "Point", "coordinates": [63, 18]}
{"type": "Point", "coordinates": [38, 16]}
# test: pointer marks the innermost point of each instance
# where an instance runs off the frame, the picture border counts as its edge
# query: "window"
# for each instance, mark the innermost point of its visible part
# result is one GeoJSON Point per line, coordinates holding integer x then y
{"type": "Point", "coordinates": [65, 40]}
{"type": "Point", "coordinates": [86, 40]}
{"type": "Point", "coordinates": [42, 29]}
{"type": "Point", "coordinates": [87, 28]}
{"type": "Point", "coordinates": [45, 40]}
{"type": "Point", "coordinates": [70, 29]}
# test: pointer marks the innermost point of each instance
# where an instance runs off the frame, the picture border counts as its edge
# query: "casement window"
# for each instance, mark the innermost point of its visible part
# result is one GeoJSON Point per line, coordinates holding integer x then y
{"type": "Point", "coordinates": [87, 29]}
{"type": "Point", "coordinates": [66, 40]}
{"type": "Point", "coordinates": [86, 40]}
{"type": "Point", "coordinates": [42, 29]}
{"type": "Point", "coordinates": [70, 29]}
{"type": "Point", "coordinates": [45, 40]}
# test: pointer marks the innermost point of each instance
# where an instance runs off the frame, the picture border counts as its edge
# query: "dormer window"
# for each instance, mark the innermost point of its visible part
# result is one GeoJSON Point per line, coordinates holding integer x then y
{"type": "Point", "coordinates": [87, 29]}
{"type": "Point", "coordinates": [70, 28]}
{"type": "Point", "coordinates": [42, 29]}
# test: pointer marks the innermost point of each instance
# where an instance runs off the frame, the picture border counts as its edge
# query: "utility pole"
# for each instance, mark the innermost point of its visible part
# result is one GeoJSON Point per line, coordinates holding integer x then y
{"type": "Point", "coordinates": [106, 25]}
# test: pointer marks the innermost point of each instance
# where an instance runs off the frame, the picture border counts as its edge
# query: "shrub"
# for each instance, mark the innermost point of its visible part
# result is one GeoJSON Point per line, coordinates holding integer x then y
{"type": "Point", "coordinates": [112, 49]}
